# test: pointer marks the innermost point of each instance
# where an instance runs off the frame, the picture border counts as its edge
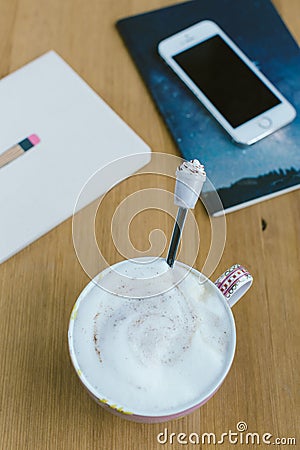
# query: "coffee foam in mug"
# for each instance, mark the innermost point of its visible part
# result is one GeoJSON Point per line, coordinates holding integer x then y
{"type": "Point", "coordinates": [152, 354]}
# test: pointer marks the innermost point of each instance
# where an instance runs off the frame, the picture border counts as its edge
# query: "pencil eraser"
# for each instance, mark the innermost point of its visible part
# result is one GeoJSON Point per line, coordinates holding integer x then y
{"type": "Point", "coordinates": [34, 139]}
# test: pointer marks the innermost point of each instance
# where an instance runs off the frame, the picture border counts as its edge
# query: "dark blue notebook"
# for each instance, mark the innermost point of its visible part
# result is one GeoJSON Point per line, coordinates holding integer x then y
{"type": "Point", "coordinates": [242, 175]}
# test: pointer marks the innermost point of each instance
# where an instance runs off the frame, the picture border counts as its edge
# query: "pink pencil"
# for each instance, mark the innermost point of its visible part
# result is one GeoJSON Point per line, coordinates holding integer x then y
{"type": "Point", "coordinates": [18, 149]}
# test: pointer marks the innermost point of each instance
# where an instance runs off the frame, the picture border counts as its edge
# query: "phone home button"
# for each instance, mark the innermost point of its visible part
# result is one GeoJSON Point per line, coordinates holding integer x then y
{"type": "Point", "coordinates": [265, 122]}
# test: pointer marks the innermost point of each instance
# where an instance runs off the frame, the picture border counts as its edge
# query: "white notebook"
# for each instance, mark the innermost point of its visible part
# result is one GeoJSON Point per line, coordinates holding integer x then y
{"type": "Point", "coordinates": [78, 132]}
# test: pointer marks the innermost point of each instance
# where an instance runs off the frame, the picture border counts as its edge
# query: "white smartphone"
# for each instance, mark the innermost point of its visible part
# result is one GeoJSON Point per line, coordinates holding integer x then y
{"type": "Point", "coordinates": [228, 84]}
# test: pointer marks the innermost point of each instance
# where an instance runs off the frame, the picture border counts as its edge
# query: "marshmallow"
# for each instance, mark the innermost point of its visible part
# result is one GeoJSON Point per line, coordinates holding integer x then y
{"type": "Point", "coordinates": [190, 177]}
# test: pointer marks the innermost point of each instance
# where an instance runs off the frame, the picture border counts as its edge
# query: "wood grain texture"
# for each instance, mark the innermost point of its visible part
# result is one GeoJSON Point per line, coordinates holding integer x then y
{"type": "Point", "coordinates": [43, 406]}
{"type": "Point", "coordinates": [10, 154]}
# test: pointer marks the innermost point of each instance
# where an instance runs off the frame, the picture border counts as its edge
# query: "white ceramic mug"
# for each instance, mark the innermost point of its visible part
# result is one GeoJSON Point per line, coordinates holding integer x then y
{"type": "Point", "coordinates": [229, 287]}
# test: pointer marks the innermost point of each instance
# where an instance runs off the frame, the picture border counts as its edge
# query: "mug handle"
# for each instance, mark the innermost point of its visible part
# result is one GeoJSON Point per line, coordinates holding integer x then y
{"type": "Point", "coordinates": [234, 282]}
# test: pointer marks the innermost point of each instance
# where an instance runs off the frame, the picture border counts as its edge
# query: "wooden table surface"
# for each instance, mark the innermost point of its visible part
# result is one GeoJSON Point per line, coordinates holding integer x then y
{"type": "Point", "coordinates": [42, 404]}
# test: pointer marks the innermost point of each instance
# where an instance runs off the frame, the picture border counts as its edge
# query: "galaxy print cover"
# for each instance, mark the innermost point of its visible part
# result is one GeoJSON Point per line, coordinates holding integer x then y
{"type": "Point", "coordinates": [241, 175]}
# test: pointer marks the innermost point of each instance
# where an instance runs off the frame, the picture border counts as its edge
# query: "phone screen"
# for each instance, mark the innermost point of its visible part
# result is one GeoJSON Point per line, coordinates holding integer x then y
{"type": "Point", "coordinates": [226, 81]}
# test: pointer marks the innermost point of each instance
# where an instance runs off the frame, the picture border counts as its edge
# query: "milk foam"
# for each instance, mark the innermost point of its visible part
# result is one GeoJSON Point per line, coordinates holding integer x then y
{"type": "Point", "coordinates": [153, 353]}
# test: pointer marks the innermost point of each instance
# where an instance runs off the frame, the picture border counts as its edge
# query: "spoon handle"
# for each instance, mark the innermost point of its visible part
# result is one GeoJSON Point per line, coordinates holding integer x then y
{"type": "Point", "coordinates": [177, 230]}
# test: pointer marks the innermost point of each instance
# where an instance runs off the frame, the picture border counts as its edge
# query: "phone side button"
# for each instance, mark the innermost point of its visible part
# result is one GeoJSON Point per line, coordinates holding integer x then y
{"type": "Point", "coordinates": [265, 122]}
